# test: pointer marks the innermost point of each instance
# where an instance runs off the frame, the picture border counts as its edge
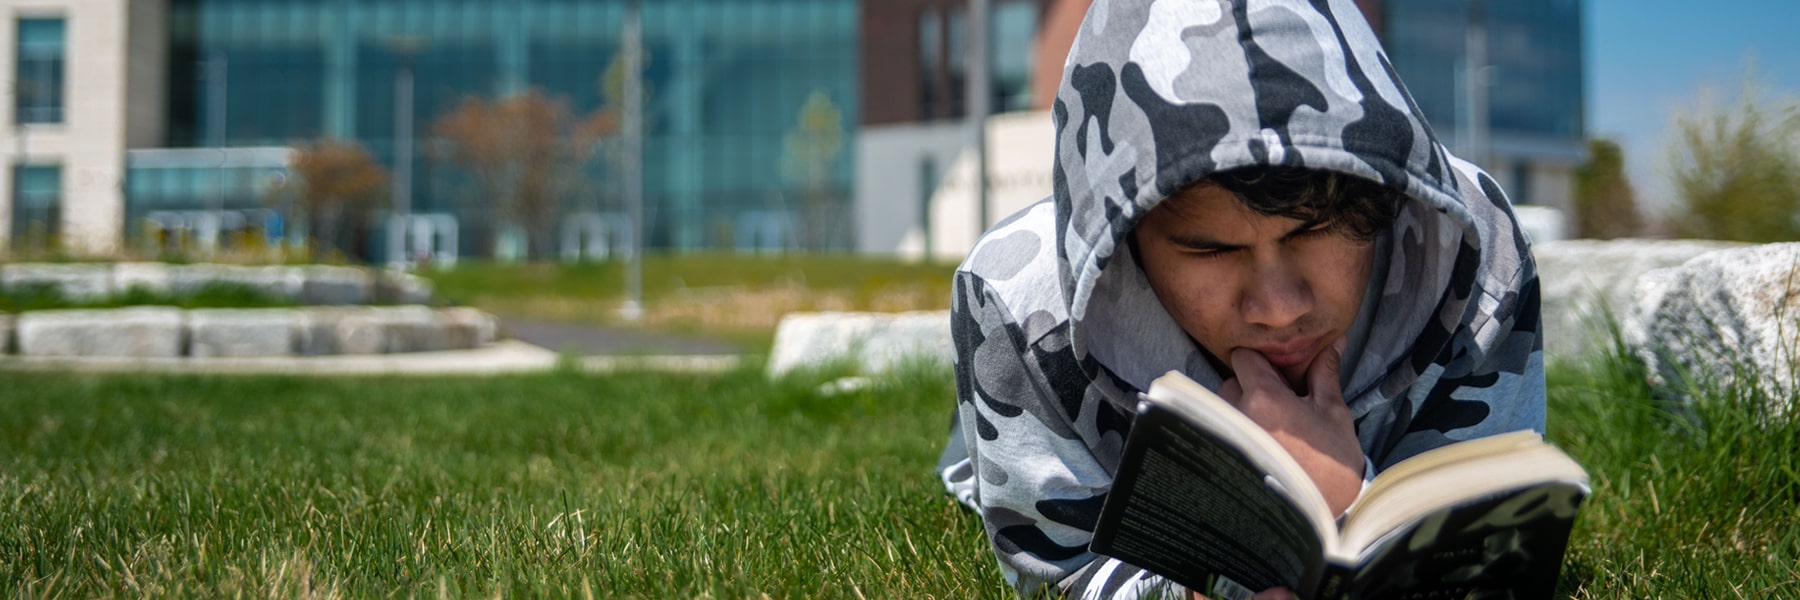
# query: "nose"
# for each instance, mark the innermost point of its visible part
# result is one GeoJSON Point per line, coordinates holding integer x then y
{"type": "Point", "coordinates": [1277, 294]}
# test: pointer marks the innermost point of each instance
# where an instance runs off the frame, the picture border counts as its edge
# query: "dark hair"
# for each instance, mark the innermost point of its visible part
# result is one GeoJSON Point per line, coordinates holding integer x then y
{"type": "Point", "coordinates": [1351, 206]}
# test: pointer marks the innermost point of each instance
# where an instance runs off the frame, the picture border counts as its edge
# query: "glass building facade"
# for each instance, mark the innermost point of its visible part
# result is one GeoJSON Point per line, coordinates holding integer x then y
{"type": "Point", "coordinates": [725, 82]}
{"type": "Point", "coordinates": [1534, 77]}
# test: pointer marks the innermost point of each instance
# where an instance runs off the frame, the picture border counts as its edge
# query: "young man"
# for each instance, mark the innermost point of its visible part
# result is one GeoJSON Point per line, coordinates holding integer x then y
{"type": "Point", "coordinates": [1244, 193]}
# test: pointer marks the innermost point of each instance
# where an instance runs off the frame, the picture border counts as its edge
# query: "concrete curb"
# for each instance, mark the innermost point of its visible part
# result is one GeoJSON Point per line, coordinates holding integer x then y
{"type": "Point", "coordinates": [502, 358]}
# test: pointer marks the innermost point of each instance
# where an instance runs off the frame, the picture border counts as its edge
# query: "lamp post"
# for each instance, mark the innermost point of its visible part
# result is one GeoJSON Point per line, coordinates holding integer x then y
{"type": "Point", "coordinates": [1475, 81]}
{"type": "Point", "coordinates": [399, 250]}
{"type": "Point", "coordinates": [216, 71]}
{"type": "Point", "coordinates": [20, 160]}
{"type": "Point", "coordinates": [980, 95]}
{"type": "Point", "coordinates": [633, 162]}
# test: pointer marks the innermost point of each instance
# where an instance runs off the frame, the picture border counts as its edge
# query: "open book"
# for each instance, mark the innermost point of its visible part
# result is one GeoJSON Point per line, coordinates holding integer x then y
{"type": "Point", "coordinates": [1208, 499]}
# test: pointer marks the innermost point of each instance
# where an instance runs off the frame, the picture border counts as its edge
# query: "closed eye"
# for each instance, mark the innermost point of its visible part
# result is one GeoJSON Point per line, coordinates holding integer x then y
{"type": "Point", "coordinates": [1308, 231]}
{"type": "Point", "coordinates": [1210, 253]}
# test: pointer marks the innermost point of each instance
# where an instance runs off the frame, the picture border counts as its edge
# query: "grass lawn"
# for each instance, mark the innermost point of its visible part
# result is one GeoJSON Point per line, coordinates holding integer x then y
{"type": "Point", "coordinates": [729, 486]}
{"type": "Point", "coordinates": [211, 295]}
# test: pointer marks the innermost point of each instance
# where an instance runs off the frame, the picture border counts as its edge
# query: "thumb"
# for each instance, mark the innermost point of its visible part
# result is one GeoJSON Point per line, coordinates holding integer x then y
{"type": "Point", "coordinates": [1323, 377]}
{"type": "Point", "coordinates": [1232, 391]}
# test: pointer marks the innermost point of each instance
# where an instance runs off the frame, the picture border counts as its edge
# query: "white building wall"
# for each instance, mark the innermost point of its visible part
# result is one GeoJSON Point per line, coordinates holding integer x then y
{"type": "Point", "coordinates": [890, 165]}
{"type": "Point", "coordinates": [90, 142]}
{"type": "Point", "coordinates": [889, 186]}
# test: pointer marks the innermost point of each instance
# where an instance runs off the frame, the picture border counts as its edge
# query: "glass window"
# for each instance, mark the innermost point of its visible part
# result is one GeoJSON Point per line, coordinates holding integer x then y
{"type": "Point", "coordinates": [725, 80]}
{"type": "Point", "coordinates": [931, 58]}
{"type": "Point", "coordinates": [956, 55]}
{"type": "Point", "coordinates": [37, 205]}
{"type": "Point", "coordinates": [38, 90]}
{"type": "Point", "coordinates": [1520, 192]}
{"type": "Point", "coordinates": [1014, 44]}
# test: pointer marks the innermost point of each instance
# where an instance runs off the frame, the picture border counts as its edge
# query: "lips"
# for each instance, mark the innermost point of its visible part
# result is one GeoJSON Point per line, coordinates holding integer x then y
{"type": "Point", "coordinates": [1290, 354]}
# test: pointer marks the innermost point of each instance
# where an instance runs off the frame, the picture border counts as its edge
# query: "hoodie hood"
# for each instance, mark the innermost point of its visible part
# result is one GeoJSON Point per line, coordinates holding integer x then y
{"type": "Point", "coordinates": [1159, 94]}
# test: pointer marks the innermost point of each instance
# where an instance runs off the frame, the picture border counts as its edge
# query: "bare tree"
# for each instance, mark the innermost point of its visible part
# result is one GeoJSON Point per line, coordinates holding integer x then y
{"type": "Point", "coordinates": [1737, 170]}
{"type": "Point", "coordinates": [810, 159]}
{"type": "Point", "coordinates": [338, 189]}
{"type": "Point", "coordinates": [1605, 205]}
{"type": "Point", "coordinates": [526, 153]}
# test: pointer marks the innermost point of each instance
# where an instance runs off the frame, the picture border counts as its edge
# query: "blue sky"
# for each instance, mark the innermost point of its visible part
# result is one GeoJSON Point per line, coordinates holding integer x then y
{"type": "Point", "coordinates": [1650, 59]}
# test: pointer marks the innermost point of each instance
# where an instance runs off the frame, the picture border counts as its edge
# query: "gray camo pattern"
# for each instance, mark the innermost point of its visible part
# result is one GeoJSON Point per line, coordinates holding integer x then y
{"type": "Point", "coordinates": [1052, 345]}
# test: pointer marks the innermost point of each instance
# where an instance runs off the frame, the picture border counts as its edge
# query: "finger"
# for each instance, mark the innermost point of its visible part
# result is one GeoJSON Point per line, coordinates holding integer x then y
{"type": "Point", "coordinates": [1323, 375]}
{"type": "Point", "coordinates": [1274, 594]}
{"type": "Point", "coordinates": [1254, 371]}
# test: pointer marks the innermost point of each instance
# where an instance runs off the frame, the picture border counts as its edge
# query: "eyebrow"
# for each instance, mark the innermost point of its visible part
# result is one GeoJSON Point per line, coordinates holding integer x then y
{"type": "Point", "coordinates": [1205, 244]}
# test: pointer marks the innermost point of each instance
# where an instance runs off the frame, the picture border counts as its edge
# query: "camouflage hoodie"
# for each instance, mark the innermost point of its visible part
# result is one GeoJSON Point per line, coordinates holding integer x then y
{"type": "Point", "coordinates": [1056, 329]}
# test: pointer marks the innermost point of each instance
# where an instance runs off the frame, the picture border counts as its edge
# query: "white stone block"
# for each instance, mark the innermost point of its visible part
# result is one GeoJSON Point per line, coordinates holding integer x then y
{"type": "Point", "coordinates": [1582, 281]}
{"type": "Point", "coordinates": [371, 330]}
{"type": "Point", "coordinates": [76, 282]}
{"type": "Point", "coordinates": [873, 342]}
{"type": "Point", "coordinates": [412, 328]}
{"type": "Point", "coordinates": [334, 330]}
{"type": "Point", "coordinates": [150, 276]}
{"type": "Point", "coordinates": [144, 331]}
{"type": "Point", "coordinates": [330, 285]}
{"type": "Point", "coordinates": [403, 288]}
{"type": "Point", "coordinates": [467, 327]}
{"type": "Point", "coordinates": [1720, 316]}
{"type": "Point", "coordinates": [243, 332]}
{"type": "Point", "coordinates": [281, 282]}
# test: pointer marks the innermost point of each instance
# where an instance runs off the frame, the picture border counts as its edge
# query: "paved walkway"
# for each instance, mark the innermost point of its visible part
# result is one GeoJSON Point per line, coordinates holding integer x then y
{"type": "Point", "coordinates": [538, 346]}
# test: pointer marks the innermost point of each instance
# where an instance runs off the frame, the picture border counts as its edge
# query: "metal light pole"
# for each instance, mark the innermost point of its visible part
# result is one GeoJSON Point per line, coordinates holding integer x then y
{"type": "Point", "coordinates": [633, 162]}
{"type": "Point", "coordinates": [216, 70]}
{"type": "Point", "coordinates": [401, 224]}
{"type": "Point", "coordinates": [1475, 81]}
{"type": "Point", "coordinates": [980, 95]}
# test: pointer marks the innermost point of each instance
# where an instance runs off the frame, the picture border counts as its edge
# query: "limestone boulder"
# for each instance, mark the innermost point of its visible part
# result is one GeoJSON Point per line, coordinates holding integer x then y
{"type": "Point", "coordinates": [7, 344]}
{"type": "Point", "coordinates": [403, 288]}
{"type": "Point", "coordinates": [331, 285]}
{"type": "Point", "coordinates": [243, 332]}
{"type": "Point", "coordinates": [873, 342]}
{"type": "Point", "coordinates": [371, 330]}
{"type": "Point", "coordinates": [467, 327]}
{"type": "Point", "coordinates": [280, 282]}
{"type": "Point", "coordinates": [1720, 317]}
{"type": "Point", "coordinates": [144, 332]}
{"type": "Point", "coordinates": [412, 328]}
{"type": "Point", "coordinates": [149, 276]}
{"type": "Point", "coordinates": [324, 331]}
{"type": "Point", "coordinates": [77, 282]}
{"type": "Point", "coordinates": [1583, 281]}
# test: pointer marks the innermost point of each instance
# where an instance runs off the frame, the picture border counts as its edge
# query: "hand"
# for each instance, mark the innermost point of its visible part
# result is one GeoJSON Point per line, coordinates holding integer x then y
{"type": "Point", "coordinates": [1315, 429]}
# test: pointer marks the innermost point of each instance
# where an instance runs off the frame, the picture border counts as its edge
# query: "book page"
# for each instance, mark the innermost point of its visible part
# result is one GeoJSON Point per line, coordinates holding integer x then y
{"type": "Point", "coordinates": [1412, 495]}
{"type": "Point", "coordinates": [1446, 457]}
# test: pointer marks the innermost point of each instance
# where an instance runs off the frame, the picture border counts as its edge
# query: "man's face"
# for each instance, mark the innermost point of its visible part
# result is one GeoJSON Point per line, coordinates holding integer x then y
{"type": "Point", "coordinates": [1237, 279]}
